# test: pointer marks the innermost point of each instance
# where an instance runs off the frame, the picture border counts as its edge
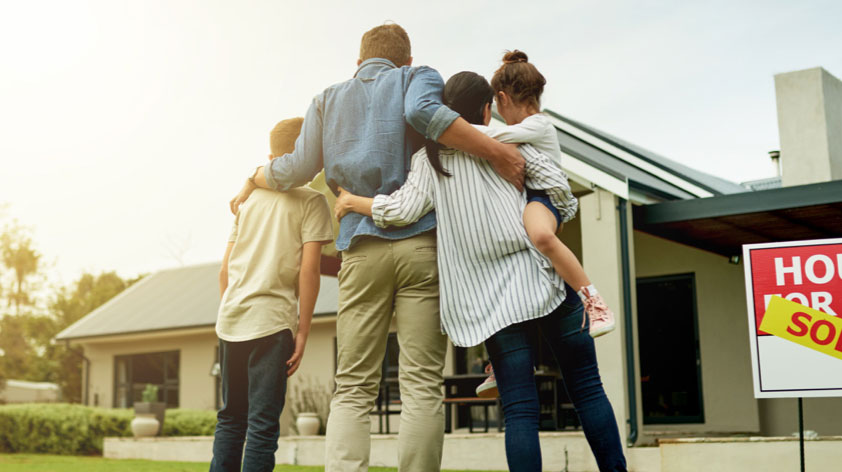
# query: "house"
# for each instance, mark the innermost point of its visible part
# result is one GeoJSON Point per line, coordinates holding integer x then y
{"type": "Point", "coordinates": [661, 240]}
{"type": "Point", "coordinates": [24, 391]}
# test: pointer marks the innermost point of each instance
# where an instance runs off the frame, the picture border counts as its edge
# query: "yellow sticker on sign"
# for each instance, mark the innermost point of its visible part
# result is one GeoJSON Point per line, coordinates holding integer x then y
{"type": "Point", "coordinates": [803, 325]}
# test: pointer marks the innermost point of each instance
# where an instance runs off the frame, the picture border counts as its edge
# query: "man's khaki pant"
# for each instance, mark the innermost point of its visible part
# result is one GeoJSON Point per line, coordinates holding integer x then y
{"type": "Point", "coordinates": [379, 278]}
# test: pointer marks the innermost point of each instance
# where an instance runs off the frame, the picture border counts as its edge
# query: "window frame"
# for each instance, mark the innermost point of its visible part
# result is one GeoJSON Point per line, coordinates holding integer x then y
{"type": "Point", "coordinates": [163, 388]}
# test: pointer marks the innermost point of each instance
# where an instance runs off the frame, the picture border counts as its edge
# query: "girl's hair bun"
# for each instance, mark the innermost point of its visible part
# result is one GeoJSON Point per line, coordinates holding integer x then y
{"type": "Point", "coordinates": [515, 56]}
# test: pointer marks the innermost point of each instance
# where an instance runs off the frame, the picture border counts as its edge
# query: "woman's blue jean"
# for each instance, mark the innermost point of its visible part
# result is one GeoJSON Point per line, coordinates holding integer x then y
{"type": "Point", "coordinates": [512, 354]}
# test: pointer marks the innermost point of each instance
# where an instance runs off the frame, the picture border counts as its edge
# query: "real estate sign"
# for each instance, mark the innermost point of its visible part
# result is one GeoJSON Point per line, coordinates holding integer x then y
{"type": "Point", "coordinates": [794, 297]}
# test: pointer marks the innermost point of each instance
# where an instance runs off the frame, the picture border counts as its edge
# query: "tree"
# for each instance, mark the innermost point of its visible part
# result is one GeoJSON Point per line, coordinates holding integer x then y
{"type": "Point", "coordinates": [27, 347]}
{"type": "Point", "coordinates": [68, 306]}
{"type": "Point", "coordinates": [19, 257]}
{"type": "Point", "coordinates": [19, 264]}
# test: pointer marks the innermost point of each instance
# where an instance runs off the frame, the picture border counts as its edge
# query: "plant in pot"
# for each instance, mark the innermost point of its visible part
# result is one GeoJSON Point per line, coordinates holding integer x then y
{"type": "Point", "coordinates": [149, 413]}
{"type": "Point", "coordinates": [310, 405]}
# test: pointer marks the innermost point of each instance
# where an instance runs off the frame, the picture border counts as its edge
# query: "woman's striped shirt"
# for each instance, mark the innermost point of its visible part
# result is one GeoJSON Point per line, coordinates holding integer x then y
{"type": "Point", "coordinates": [490, 274]}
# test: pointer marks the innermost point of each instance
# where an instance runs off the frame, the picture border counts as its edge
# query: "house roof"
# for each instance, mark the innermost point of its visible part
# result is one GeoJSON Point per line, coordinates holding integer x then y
{"type": "Point", "coordinates": [763, 184]}
{"type": "Point", "coordinates": [723, 224]}
{"type": "Point", "coordinates": [184, 297]}
{"type": "Point", "coordinates": [645, 171]}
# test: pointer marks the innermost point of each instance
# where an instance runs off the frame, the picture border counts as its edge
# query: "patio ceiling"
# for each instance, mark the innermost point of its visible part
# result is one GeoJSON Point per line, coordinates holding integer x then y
{"type": "Point", "coordinates": [723, 224]}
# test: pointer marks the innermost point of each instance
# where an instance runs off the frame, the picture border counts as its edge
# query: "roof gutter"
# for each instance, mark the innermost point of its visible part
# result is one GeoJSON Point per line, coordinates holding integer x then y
{"type": "Point", "coordinates": [631, 379]}
{"type": "Point", "coordinates": [629, 157]}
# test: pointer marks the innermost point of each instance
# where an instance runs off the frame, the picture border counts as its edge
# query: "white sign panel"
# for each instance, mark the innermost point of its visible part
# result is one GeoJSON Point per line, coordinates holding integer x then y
{"type": "Point", "coordinates": [794, 298]}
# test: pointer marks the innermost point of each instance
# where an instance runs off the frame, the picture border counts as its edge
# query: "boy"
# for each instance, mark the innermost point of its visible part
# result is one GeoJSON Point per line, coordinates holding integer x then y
{"type": "Point", "coordinates": [270, 268]}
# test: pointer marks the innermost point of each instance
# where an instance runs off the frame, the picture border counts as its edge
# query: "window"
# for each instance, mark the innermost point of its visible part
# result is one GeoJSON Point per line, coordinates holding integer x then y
{"type": "Point", "coordinates": [132, 374]}
{"type": "Point", "coordinates": [670, 363]}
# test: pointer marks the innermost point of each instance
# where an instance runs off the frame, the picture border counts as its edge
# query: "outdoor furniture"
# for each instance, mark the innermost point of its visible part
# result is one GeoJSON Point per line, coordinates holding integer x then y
{"type": "Point", "coordinates": [556, 410]}
{"type": "Point", "coordinates": [460, 390]}
{"type": "Point", "coordinates": [547, 384]}
{"type": "Point", "coordinates": [471, 401]}
{"type": "Point", "coordinates": [567, 415]}
{"type": "Point", "coordinates": [388, 403]}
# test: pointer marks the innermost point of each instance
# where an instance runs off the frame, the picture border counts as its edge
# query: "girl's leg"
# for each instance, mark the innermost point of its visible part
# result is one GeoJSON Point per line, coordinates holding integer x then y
{"type": "Point", "coordinates": [574, 351]}
{"type": "Point", "coordinates": [511, 354]}
{"type": "Point", "coordinates": [541, 225]}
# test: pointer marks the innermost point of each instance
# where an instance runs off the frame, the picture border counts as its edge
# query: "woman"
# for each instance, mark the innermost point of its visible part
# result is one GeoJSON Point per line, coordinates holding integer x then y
{"type": "Point", "coordinates": [495, 287]}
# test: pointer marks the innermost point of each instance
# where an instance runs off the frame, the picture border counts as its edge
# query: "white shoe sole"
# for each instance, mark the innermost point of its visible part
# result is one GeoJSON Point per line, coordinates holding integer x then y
{"type": "Point", "coordinates": [595, 333]}
{"type": "Point", "coordinates": [488, 390]}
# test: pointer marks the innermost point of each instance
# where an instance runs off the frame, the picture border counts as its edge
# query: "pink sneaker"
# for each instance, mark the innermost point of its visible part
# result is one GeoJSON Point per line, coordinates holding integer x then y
{"type": "Point", "coordinates": [601, 318]}
{"type": "Point", "coordinates": [488, 388]}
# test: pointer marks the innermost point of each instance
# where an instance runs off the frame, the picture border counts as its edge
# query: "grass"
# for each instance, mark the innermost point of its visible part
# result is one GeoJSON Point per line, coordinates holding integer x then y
{"type": "Point", "coordinates": [51, 463]}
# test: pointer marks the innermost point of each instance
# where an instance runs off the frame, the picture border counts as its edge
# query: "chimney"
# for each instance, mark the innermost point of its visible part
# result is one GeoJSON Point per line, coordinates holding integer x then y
{"type": "Point", "coordinates": [810, 126]}
{"type": "Point", "coordinates": [776, 162]}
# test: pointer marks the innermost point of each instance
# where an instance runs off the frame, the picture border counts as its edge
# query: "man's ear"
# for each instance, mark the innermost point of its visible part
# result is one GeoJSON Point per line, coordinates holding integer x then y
{"type": "Point", "coordinates": [359, 61]}
{"type": "Point", "coordinates": [409, 61]}
{"type": "Point", "coordinates": [486, 114]}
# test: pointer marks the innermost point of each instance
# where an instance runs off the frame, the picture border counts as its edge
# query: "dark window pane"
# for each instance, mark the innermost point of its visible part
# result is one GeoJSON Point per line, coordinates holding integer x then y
{"type": "Point", "coordinates": [148, 368]}
{"type": "Point", "coordinates": [133, 373]}
{"type": "Point", "coordinates": [171, 367]}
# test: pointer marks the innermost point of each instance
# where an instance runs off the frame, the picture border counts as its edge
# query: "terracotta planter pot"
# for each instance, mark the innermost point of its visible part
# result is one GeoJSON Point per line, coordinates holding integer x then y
{"type": "Point", "coordinates": [144, 425]}
{"type": "Point", "coordinates": [308, 424]}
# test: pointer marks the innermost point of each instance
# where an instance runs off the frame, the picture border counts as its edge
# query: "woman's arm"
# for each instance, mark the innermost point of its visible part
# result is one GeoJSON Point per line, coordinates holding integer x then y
{"type": "Point", "coordinates": [347, 202]}
{"type": "Point", "coordinates": [404, 206]}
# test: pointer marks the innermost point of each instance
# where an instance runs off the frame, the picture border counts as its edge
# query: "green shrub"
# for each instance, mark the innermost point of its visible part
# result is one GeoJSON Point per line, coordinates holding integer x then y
{"type": "Point", "coordinates": [189, 423]}
{"type": "Point", "coordinates": [58, 428]}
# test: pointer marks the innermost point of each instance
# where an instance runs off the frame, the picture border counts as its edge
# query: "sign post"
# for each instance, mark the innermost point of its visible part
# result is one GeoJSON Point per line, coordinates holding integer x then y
{"type": "Point", "coordinates": [794, 298]}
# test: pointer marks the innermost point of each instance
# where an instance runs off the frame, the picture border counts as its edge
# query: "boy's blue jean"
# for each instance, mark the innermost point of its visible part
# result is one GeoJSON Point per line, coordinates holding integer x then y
{"type": "Point", "coordinates": [512, 354]}
{"type": "Point", "coordinates": [254, 382]}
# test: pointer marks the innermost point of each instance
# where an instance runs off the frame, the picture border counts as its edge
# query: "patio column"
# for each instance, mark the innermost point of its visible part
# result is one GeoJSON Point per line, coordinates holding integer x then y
{"type": "Point", "coordinates": [603, 262]}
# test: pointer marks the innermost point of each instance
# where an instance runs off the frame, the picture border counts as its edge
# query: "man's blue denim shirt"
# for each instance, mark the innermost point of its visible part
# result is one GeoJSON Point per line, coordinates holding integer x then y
{"type": "Point", "coordinates": [363, 132]}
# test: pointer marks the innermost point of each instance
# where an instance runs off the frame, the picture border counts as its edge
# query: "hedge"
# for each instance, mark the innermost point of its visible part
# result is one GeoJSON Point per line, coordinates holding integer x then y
{"type": "Point", "coordinates": [75, 429]}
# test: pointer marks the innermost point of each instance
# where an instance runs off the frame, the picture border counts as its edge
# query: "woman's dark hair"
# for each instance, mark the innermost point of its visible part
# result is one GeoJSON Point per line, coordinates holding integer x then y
{"type": "Point", "coordinates": [519, 79]}
{"type": "Point", "coordinates": [466, 93]}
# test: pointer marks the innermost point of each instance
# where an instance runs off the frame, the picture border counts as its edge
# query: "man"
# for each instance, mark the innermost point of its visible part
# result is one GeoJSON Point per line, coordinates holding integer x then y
{"type": "Point", "coordinates": [357, 131]}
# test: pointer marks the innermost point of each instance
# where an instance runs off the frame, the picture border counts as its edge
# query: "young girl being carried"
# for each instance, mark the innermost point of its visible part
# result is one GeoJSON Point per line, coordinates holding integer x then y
{"type": "Point", "coordinates": [517, 90]}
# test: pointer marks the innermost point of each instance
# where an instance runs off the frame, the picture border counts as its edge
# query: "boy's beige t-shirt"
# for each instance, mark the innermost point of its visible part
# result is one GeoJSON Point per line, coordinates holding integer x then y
{"type": "Point", "coordinates": [268, 234]}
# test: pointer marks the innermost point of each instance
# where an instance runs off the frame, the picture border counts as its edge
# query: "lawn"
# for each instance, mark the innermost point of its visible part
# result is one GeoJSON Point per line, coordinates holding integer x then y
{"type": "Point", "coordinates": [50, 463]}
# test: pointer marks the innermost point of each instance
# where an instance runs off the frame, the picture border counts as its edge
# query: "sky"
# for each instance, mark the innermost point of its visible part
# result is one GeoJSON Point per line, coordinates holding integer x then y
{"type": "Point", "coordinates": [127, 126]}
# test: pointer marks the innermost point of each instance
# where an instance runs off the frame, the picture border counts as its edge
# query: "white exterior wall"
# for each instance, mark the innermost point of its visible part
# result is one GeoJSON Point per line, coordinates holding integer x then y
{"type": "Point", "coordinates": [727, 391]}
{"type": "Point", "coordinates": [779, 416]}
{"type": "Point", "coordinates": [196, 356]}
{"type": "Point", "coordinates": [600, 241]}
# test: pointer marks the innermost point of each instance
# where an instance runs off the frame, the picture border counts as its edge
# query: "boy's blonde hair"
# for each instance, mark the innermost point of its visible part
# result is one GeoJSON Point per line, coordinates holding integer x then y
{"type": "Point", "coordinates": [388, 41]}
{"type": "Point", "coordinates": [283, 136]}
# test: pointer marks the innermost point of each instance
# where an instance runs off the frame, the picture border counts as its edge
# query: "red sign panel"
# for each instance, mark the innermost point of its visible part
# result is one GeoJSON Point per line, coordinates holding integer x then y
{"type": "Point", "coordinates": [809, 275]}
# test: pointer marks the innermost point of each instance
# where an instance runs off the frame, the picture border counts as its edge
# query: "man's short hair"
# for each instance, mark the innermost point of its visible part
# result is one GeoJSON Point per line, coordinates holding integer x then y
{"type": "Point", "coordinates": [283, 136]}
{"type": "Point", "coordinates": [388, 41]}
